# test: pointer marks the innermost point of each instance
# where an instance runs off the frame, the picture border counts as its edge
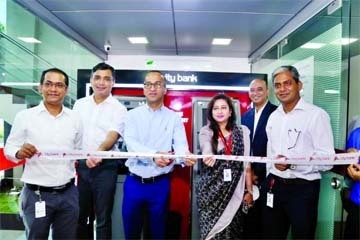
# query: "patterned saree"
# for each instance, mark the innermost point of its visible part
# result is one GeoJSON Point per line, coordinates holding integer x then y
{"type": "Point", "coordinates": [219, 201]}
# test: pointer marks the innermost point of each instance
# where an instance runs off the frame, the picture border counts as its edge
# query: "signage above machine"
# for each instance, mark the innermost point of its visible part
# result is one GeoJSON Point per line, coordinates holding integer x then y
{"type": "Point", "coordinates": [176, 80]}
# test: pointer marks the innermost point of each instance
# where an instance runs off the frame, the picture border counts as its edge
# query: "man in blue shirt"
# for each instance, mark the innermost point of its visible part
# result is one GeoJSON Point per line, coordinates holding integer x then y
{"type": "Point", "coordinates": [151, 128]}
{"type": "Point", "coordinates": [352, 230]}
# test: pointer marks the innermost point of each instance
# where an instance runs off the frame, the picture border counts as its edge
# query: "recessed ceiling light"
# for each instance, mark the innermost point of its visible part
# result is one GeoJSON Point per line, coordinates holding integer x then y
{"type": "Point", "coordinates": [344, 41]}
{"type": "Point", "coordinates": [25, 84]}
{"type": "Point", "coordinates": [331, 91]}
{"type": "Point", "coordinates": [221, 41]}
{"type": "Point", "coordinates": [138, 40]}
{"type": "Point", "coordinates": [29, 40]}
{"type": "Point", "coordinates": [311, 45]}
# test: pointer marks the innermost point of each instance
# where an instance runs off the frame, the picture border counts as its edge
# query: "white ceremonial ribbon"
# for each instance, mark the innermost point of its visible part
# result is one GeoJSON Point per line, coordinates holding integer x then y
{"type": "Point", "coordinates": [333, 159]}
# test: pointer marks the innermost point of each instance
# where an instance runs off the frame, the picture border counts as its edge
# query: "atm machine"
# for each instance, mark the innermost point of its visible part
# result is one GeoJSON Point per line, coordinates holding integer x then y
{"type": "Point", "coordinates": [188, 97]}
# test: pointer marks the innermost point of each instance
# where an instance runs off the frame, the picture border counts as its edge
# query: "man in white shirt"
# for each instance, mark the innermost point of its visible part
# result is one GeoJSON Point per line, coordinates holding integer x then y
{"type": "Point", "coordinates": [103, 120]}
{"type": "Point", "coordinates": [295, 129]}
{"type": "Point", "coordinates": [49, 197]}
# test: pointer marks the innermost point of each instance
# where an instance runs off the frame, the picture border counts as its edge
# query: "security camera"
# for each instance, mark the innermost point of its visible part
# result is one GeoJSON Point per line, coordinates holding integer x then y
{"type": "Point", "coordinates": [107, 46]}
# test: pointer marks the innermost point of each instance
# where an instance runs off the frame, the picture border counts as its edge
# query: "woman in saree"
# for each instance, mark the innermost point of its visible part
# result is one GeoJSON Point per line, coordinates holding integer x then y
{"type": "Point", "coordinates": [223, 185]}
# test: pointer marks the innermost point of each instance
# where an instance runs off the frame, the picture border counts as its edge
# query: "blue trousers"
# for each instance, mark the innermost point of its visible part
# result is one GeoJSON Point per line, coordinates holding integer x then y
{"type": "Point", "coordinates": [62, 211]}
{"type": "Point", "coordinates": [145, 199]}
{"type": "Point", "coordinates": [96, 197]}
{"type": "Point", "coordinates": [295, 205]}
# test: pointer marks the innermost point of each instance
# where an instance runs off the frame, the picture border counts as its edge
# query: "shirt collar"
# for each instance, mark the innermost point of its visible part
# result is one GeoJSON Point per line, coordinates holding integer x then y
{"type": "Point", "coordinates": [300, 105]}
{"type": "Point", "coordinates": [41, 108]}
{"type": "Point", "coordinates": [150, 109]}
{"type": "Point", "coordinates": [109, 99]}
{"type": "Point", "coordinates": [262, 108]}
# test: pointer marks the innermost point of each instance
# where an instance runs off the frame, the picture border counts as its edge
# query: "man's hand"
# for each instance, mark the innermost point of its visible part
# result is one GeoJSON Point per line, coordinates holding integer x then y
{"type": "Point", "coordinates": [189, 161]}
{"type": "Point", "coordinates": [26, 151]}
{"type": "Point", "coordinates": [93, 162]}
{"type": "Point", "coordinates": [354, 171]}
{"type": "Point", "coordinates": [161, 161]}
{"type": "Point", "coordinates": [254, 178]}
{"type": "Point", "coordinates": [281, 166]}
{"type": "Point", "coordinates": [209, 161]}
{"type": "Point", "coordinates": [249, 199]}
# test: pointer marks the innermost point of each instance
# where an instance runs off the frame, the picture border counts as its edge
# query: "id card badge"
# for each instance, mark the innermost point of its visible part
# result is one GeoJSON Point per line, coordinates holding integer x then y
{"type": "Point", "coordinates": [227, 175]}
{"type": "Point", "coordinates": [40, 209]}
{"type": "Point", "coordinates": [270, 200]}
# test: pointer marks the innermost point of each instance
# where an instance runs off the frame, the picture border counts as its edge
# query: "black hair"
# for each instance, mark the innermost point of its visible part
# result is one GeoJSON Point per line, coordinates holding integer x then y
{"type": "Point", "coordinates": [57, 71]}
{"type": "Point", "coordinates": [214, 126]}
{"type": "Point", "coordinates": [103, 66]}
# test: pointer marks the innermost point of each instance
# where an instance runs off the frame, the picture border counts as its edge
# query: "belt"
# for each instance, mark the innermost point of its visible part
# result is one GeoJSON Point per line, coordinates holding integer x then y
{"type": "Point", "coordinates": [148, 180]}
{"type": "Point", "coordinates": [292, 181]}
{"type": "Point", "coordinates": [57, 189]}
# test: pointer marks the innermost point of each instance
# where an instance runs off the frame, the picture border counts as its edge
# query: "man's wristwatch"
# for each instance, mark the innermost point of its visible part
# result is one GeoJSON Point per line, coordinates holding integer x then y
{"type": "Point", "coordinates": [292, 167]}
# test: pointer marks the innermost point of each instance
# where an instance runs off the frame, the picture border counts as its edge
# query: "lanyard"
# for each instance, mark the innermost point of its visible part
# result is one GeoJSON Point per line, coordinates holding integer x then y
{"type": "Point", "coordinates": [227, 144]}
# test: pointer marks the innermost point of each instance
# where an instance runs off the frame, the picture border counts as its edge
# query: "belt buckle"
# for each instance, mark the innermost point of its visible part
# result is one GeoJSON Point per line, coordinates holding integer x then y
{"type": "Point", "coordinates": [142, 180]}
{"type": "Point", "coordinates": [59, 187]}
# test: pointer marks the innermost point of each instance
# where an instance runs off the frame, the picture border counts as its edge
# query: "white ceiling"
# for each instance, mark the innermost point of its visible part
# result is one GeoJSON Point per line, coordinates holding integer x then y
{"type": "Point", "coordinates": [176, 27]}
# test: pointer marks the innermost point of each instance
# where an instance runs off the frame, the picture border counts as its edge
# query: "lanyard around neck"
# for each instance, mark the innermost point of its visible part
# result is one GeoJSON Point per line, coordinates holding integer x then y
{"type": "Point", "coordinates": [227, 144]}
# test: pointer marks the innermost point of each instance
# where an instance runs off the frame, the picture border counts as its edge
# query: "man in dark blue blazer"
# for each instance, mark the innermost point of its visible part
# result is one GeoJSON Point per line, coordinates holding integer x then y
{"type": "Point", "coordinates": [256, 119]}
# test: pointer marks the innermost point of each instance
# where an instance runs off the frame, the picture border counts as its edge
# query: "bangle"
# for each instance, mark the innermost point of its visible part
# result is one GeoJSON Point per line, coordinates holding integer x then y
{"type": "Point", "coordinates": [16, 154]}
{"type": "Point", "coordinates": [249, 192]}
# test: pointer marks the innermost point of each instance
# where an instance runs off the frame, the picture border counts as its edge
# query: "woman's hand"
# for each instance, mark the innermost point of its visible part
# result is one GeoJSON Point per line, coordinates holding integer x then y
{"type": "Point", "coordinates": [209, 161]}
{"type": "Point", "coordinates": [248, 198]}
{"type": "Point", "coordinates": [354, 171]}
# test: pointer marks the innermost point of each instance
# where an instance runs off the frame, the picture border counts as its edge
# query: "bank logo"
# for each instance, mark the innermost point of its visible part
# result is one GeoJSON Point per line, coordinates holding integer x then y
{"type": "Point", "coordinates": [177, 78]}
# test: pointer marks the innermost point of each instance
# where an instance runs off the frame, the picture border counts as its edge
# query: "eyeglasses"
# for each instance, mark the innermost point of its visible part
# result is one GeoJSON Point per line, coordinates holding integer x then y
{"type": "Point", "coordinates": [58, 85]}
{"type": "Point", "coordinates": [293, 136]}
{"type": "Point", "coordinates": [285, 84]}
{"type": "Point", "coordinates": [156, 85]}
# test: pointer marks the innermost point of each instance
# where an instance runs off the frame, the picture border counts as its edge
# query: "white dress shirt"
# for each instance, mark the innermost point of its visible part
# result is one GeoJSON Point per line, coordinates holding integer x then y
{"type": "Point", "coordinates": [257, 115]}
{"type": "Point", "coordinates": [305, 131]}
{"type": "Point", "coordinates": [38, 127]}
{"type": "Point", "coordinates": [99, 119]}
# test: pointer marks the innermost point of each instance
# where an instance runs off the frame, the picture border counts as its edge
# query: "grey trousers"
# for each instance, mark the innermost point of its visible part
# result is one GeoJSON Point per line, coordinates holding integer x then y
{"type": "Point", "coordinates": [62, 213]}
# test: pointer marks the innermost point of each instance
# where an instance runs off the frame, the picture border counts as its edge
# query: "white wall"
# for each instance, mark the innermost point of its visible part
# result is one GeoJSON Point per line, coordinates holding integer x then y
{"type": "Point", "coordinates": [180, 63]}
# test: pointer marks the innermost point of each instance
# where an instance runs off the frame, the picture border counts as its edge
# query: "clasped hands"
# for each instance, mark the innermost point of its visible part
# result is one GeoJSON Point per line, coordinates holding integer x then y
{"type": "Point", "coordinates": [163, 162]}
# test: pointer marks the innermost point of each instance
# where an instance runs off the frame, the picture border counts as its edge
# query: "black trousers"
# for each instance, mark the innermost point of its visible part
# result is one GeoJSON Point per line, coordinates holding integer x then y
{"type": "Point", "coordinates": [352, 226]}
{"type": "Point", "coordinates": [295, 205]}
{"type": "Point", "coordinates": [253, 220]}
{"type": "Point", "coordinates": [96, 198]}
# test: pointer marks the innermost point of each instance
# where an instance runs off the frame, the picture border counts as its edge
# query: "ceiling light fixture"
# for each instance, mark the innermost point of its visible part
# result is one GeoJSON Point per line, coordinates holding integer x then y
{"type": "Point", "coordinates": [138, 40]}
{"type": "Point", "coordinates": [331, 91]}
{"type": "Point", "coordinates": [19, 84]}
{"type": "Point", "coordinates": [344, 41]}
{"type": "Point", "coordinates": [311, 45]}
{"type": "Point", "coordinates": [221, 41]}
{"type": "Point", "coordinates": [29, 40]}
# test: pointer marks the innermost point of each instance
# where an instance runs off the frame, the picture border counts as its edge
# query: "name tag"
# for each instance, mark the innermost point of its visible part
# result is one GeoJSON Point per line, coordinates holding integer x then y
{"type": "Point", "coordinates": [40, 209]}
{"type": "Point", "coordinates": [270, 200]}
{"type": "Point", "coordinates": [227, 175]}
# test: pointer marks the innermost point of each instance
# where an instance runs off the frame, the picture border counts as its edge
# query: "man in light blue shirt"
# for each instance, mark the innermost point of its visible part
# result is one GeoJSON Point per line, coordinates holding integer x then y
{"type": "Point", "coordinates": [151, 128]}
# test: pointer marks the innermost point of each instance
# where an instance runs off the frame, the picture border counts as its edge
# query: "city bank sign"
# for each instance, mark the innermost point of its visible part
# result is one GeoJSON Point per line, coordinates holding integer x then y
{"type": "Point", "coordinates": [180, 78]}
